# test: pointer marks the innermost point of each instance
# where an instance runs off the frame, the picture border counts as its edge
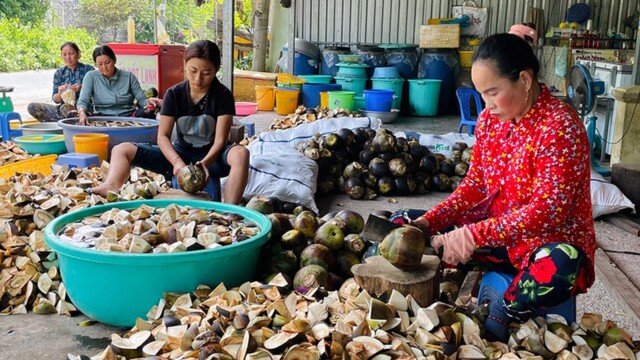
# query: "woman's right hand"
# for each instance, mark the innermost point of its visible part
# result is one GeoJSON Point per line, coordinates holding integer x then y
{"type": "Point", "coordinates": [177, 165]}
{"type": "Point", "coordinates": [82, 118]}
{"type": "Point", "coordinates": [62, 88]}
{"type": "Point", "coordinates": [423, 224]}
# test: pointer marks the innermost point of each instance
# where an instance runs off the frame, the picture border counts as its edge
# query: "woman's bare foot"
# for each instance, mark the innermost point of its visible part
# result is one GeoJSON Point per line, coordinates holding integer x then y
{"type": "Point", "coordinates": [103, 189]}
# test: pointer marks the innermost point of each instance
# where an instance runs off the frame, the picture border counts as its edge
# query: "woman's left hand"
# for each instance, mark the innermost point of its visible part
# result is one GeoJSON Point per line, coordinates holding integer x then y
{"type": "Point", "coordinates": [458, 245]}
{"type": "Point", "coordinates": [205, 169]}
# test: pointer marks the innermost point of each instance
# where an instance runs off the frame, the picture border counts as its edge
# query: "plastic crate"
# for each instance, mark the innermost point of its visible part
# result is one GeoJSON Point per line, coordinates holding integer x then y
{"type": "Point", "coordinates": [39, 164]}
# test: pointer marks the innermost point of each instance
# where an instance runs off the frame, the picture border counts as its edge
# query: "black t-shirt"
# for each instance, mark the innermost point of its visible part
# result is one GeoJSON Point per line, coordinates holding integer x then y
{"type": "Point", "coordinates": [196, 124]}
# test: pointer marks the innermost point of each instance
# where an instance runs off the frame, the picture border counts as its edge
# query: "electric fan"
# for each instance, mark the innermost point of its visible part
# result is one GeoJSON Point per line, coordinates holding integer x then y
{"type": "Point", "coordinates": [582, 91]}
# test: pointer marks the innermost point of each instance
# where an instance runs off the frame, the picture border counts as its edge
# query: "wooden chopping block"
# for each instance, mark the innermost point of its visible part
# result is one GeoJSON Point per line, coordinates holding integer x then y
{"type": "Point", "coordinates": [179, 194]}
{"type": "Point", "coordinates": [378, 276]}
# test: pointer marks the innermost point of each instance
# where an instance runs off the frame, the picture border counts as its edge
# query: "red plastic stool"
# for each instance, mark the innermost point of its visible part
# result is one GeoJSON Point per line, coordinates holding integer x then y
{"type": "Point", "coordinates": [501, 281]}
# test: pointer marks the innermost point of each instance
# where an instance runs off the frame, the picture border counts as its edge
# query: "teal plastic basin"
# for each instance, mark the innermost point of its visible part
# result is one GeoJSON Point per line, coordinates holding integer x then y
{"type": "Point", "coordinates": [42, 144]}
{"type": "Point", "coordinates": [116, 288]}
{"type": "Point", "coordinates": [317, 79]}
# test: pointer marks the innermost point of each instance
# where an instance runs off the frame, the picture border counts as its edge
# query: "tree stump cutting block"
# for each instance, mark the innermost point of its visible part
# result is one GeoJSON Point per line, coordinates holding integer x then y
{"type": "Point", "coordinates": [179, 194]}
{"type": "Point", "coordinates": [378, 276]}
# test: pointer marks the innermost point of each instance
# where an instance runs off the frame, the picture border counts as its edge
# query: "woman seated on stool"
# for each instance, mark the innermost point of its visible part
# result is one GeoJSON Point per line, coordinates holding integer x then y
{"type": "Point", "coordinates": [526, 197]}
{"type": "Point", "coordinates": [201, 110]}
{"type": "Point", "coordinates": [69, 76]}
{"type": "Point", "coordinates": [112, 91]}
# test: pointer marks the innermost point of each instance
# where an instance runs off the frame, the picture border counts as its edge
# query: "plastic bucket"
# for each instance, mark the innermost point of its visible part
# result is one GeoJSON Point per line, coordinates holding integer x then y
{"type": "Point", "coordinates": [357, 85]}
{"type": "Point", "coordinates": [352, 70]}
{"type": "Point", "coordinates": [286, 100]}
{"type": "Point", "coordinates": [311, 93]}
{"type": "Point", "coordinates": [441, 64]}
{"type": "Point", "coordinates": [373, 56]}
{"type": "Point", "coordinates": [423, 96]}
{"type": "Point", "coordinates": [404, 57]}
{"type": "Point", "coordinates": [303, 64]}
{"type": "Point", "coordinates": [324, 99]}
{"type": "Point", "coordinates": [378, 100]}
{"type": "Point", "coordinates": [341, 99]}
{"type": "Point", "coordinates": [390, 84]}
{"type": "Point", "coordinates": [359, 103]}
{"type": "Point", "coordinates": [265, 97]}
{"type": "Point", "coordinates": [287, 84]}
{"type": "Point", "coordinates": [317, 79]}
{"type": "Point", "coordinates": [91, 143]}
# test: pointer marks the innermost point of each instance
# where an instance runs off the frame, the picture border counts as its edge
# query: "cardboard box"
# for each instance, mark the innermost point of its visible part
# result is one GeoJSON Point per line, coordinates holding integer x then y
{"type": "Point", "coordinates": [440, 36]}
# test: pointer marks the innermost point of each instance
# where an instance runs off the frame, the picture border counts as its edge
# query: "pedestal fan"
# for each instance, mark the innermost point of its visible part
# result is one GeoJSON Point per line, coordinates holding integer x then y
{"type": "Point", "coordinates": [582, 91]}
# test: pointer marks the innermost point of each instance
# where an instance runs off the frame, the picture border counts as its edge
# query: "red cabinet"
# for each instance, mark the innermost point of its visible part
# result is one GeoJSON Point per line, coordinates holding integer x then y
{"type": "Point", "coordinates": [160, 66]}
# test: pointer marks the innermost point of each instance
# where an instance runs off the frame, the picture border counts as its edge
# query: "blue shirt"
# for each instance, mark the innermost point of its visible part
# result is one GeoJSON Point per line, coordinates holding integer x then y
{"type": "Point", "coordinates": [64, 75]}
{"type": "Point", "coordinates": [111, 97]}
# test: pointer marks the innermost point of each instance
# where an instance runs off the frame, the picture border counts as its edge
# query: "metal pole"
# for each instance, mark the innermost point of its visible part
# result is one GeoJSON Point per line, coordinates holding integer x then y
{"type": "Point", "coordinates": [291, 47]}
{"type": "Point", "coordinates": [155, 22]}
{"type": "Point", "coordinates": [636, 52]}
{"type": "Point", "coordinates": [227, 43]}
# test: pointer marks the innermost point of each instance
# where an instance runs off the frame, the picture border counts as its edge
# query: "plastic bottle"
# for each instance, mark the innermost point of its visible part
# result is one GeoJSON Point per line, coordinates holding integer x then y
{"type": "Point", "coordinates": [131, 30]}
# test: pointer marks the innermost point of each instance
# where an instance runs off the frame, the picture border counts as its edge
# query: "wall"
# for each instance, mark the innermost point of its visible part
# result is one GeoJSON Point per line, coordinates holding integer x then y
{"type": "Point", "coordinates": [398, 21]}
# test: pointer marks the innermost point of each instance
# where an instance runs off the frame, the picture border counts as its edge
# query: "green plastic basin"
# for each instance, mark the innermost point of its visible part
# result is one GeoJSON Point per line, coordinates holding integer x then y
{"type": "Point", "coordinates": [42, 144]}
{"type": "Point", "coordinates": [116, 288]}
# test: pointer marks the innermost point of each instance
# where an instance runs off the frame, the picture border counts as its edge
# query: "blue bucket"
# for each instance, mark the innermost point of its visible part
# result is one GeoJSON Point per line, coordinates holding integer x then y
{"type": "Point", "coordinates": [441, 64]}
{"type": "Point", "coordinates": [330, 59]}
{"type": "Point", "coordinates": [378, 100]}
{"type": "Point", "coordinates": [303, 64]}
{"type": "Point", "coordinates": [311, 93]}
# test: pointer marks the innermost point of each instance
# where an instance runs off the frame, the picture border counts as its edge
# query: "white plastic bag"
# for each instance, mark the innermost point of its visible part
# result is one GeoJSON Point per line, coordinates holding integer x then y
{"type": "Point", "coordinates": [561, 62]}
{"type": "Point", "coordinates": [606, 198]}
{"type": "Point", "coordinates": [478, 18]}
{"type": "Point", "coordinates": [283, 173]}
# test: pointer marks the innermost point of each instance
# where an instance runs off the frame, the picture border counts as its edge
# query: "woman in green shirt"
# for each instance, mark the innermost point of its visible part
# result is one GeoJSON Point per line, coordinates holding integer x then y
{"type": "Point", "coordinates": [112, 91]}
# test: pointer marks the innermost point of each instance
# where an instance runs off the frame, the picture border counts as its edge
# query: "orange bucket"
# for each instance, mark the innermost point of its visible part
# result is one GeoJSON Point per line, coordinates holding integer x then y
{"type": "Point", "coordinates": [265, 97]}
{"type": "Point", "coordinates": [286, 100]}
{"type": "Point", "coordinates": [92, 144]}
{"type": "Point", "coordinates": [324, 99]}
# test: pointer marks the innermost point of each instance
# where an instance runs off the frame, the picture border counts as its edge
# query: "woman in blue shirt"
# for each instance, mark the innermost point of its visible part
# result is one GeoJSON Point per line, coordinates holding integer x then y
{"type": "Point", "coordinates": [69, 76]}
{"type": "Point", "coordinates": [112, 91]}
{"type": "Point", "coordinates": [201, 110]}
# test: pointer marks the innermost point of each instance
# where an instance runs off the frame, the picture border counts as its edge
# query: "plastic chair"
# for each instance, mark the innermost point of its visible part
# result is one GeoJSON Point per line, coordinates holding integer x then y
{"type": "Point", "coordinates": [213, 188]}
{"type": "Point", "coordinates": [501, 281]}
{"type": "Point", "coordinates": [464, 95]}
{"type": "Point", "coordinates": [5, 125]}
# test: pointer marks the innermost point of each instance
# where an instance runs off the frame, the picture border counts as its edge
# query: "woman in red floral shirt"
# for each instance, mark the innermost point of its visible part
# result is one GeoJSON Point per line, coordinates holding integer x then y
{"type": "Point", "coordinates": [526, 196]}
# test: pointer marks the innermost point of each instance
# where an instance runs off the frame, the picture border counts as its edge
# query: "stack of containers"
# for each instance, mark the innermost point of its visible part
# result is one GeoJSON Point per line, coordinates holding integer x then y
{"type": "Point", "coordinates": [353, 77]}
{"type": "Point", "coordinates": [314, 87]}
{"type": "Point", "coordinates": [388, 78]}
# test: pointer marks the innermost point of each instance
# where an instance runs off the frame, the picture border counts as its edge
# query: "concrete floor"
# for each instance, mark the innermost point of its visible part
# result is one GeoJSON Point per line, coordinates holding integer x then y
{"type": "Point", "coordinates": [51, 336]}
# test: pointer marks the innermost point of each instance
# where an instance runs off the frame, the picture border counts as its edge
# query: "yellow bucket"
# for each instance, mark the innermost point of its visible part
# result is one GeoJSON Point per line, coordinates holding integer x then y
{"type": "Point", "coordinates": [265, 97]}
{"type": "Point", "coordinates": [92, 144]}
{"type": "Point", "coordinates": [324, 99]}
{"type": "Point", "coordinates": [286, 100]}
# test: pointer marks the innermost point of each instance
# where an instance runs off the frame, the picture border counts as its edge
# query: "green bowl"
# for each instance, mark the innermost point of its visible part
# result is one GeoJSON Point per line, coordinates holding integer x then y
{"type": "Point", "coordinates": [42, 144]}
{"type": "Point", "coordinates": [116, 288]}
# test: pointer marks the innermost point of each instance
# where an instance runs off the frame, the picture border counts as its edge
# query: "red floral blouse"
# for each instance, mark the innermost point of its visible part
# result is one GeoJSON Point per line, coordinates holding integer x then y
{"type": "Point", "coordinates": [529, 182]}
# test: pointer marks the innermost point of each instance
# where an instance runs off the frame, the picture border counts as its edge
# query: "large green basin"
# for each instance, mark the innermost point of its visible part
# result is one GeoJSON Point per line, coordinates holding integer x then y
{"type": "Point", "coordinates": [116, 288]}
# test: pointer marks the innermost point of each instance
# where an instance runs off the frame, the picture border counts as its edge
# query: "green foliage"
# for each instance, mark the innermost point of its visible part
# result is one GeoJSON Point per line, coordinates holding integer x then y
{"type": "Point", "coordinates": [26, 10]}
{"type": "Point", "coordinates": [109, 14]}
{"type": "Point", "coordinates": [246, 63]}
{"type": "Point", "coordinates": [36, 46]}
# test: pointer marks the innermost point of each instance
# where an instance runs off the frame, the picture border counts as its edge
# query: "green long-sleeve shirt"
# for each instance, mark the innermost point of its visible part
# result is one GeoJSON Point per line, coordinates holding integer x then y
{"type": "Point", "coordinates": [111, 97]}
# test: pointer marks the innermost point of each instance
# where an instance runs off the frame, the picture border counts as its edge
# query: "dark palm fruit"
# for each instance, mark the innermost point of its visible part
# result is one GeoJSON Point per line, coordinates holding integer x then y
{"type": "Point", "coordinates": [151, 92]}
{"type": "Point", "coordinates": [455, 182]}
{"type": "Point", "coordinates": [403, 247]}
{"type": "Point", "coordinates": [287, 207]}
{"type": "Point", "coordinates": [348, 136]}
{"type": "Point", "coordinates": [462, 168]}
{"type": "Point", "coordinates": [440, 157]}
{"type": "Point", "coordinates": [422, 185]}
{"type": "Point", "coordinates": [335, 169]}
{"type": "Point", "coordinates": [412, 165]}
{"type": "Point", "coordinates": [261, 204]}
{"type": "Point", "coordinates": [285, 262]}
{"type": "Point", "coordinates": [367, 145]}
{"type": "Point", "coordinates": [354, 188]}
{"type": "Point", "coordinates": [360, 136]}
{"type": "Point", "coordinates": [191, 178]}
{"type": "Point", "coordinates": [402, 144]}
{"type": "Point", "coordinates": [317, 254]}
{"type": "Point", "coordinates": [398, 167]}
{"type": "Point", "coordinates": [429, 164]}
{"type": "Point", "coordinates": [379, 167]}
{"type": "Point", "coordinates": [353, 170]}
{"type": "Point", "coordinates": [369, 179]}
{"type": "Point", "coordinates": [383, 142]}
{"type": "Point", "coordinates": [466, 155]}
{"type": "Point", "coordinates": [354, 222]}
{"type": "Point", "coordinates": [385, 186]}
{"type": "Point", "coordinates": [340, 181]}
{"type": "Point", "coordinates": [402, 186]}
{"type": "Point", "coordinates": [354, 243]}
{"type": "Point", "coordinates": [370, 133]}
{"type": "Point", "coordinates": [309, 277]}
{"type": "Point", "coordinates": [326, 186]}
{"type": "Point", "coordinates": [459, 146]}
{"type": "Point", "coordinates": [334, 142]}
{"type": "Point", "coordinates": [416, 150]}
{"type": "Point", "coordinates": [440, 182]}
{"type": "Point", "coordinates": [330, 235]}
{"type": "Point", "coordinates": [366, 156]}
{"type": "Point", "coordinates": [345, 261]}
{"type": "Point", "coordinates": [387, 156]}
{"type": "Point", "coordinates": [447, 167]}
{"type": "Point", "coordinates": [370, 193]}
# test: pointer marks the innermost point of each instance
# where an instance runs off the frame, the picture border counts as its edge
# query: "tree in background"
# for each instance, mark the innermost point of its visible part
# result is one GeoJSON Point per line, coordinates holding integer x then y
{"type": "Point", "coordinates": [27, 11]}
{"type": "Point", "coordinates": [106, 16]}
